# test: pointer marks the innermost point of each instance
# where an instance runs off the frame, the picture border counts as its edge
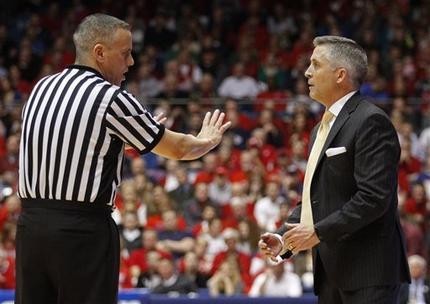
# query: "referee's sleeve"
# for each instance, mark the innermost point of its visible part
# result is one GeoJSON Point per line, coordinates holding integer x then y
{"type": "Point", "coordinates": [131, 122]}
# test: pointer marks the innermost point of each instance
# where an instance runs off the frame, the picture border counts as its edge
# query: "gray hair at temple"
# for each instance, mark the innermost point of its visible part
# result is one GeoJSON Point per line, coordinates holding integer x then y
{"type": "Point", "coordinates": [345, 53]}
{"type": "Point", "coordinates": [96, 28]}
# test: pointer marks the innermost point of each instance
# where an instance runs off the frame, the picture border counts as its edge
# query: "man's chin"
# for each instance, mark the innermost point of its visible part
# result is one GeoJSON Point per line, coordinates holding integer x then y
{"type": "Point", "coordinates": [119, 82]}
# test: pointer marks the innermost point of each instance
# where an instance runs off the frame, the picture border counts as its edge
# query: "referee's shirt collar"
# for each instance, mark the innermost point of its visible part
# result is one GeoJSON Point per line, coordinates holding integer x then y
{"type": "Point", "coordinates": [87, 68]}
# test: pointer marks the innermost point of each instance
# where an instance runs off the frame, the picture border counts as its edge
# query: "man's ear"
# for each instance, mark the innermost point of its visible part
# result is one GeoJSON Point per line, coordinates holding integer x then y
{"type": "Point", "coordinates": [341, 75]}
{"type": "Point", "coordinates": [99, 52]}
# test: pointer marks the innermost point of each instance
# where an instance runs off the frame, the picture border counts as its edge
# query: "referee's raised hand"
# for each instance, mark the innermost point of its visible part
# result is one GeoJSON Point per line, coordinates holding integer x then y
{"type": "Point", "coordinates": [213, 127]}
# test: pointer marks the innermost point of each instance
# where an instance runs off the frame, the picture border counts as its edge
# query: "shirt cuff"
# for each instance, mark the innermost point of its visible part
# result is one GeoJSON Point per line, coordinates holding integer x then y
{"type": "Point", "coordinates": [278, 260]}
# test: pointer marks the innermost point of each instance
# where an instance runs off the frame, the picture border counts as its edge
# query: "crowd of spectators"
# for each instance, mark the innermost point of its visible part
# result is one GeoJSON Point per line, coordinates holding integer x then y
{"type": "Point", "coordinates": [191, 225]}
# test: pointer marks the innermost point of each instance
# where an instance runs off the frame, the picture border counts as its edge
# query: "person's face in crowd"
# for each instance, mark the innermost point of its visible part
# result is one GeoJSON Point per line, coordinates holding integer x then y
{"type": "Point", "coordinates": [238, 206]}
{"type": "Point", "coordinates": [145, 71]}
{"type": "Point", "coordinates": [215, 227]}
{"type": "Point", "coordinates": [172, 165]}
{"type": "Point", "coordinates": [128, 192]}
{"type": "Point", "coordinates": [165, 269]}
{"type": "Point", "coordinates": [170, 83]}
{"type": "Point", "coordinates": [207, 83]}
{"type": "Point", "coordinates": [150, 239]}
{"type": "Point", "coordinates": [210, 162]}
{"type": "Point", "coordinates": [233, 116]}
{"type": "Point", "coordinates": [181, 175]}
{"type": "Point", "coordinates": [321, 76]}
{"type": "Point", "coordinates": [417, 270]}
{"type": "Point", "coordinates": [153, 258]}
{"type": "Point", "coordinates": [170, 220]}
{"type": "Point", "coordinates": [272, 190]}
{"type": "Point", "coordinates": [208, 213]}
{"type": "Point", "coordinates": [238, 70]}
{"type": "Point", "coordinates": [130, 221]}
{"type": "Point", "coordinates": [117, 57]}
{"type": "Point", "coordinates": [224, 153]}
{"type": "Point", "coordinates": [278, 270]}
{"type": "Point", "coordinates": [298, 149]}
{"type": "Point", "coordinates": [246, 162]}
{"type": "Point", "coordinates": [220, 179]}
{"type": "Point", "coordinates": [244, 230]}
{"type": "Point", "coordinates": [138, 166]}
{"type": "Point", "coordinates": [284, 211]}
{"type": "Point", "coordinates": [12, 144]}
{"type": "Point", "coordinates": [141, 183]}
{"type": "Point", "coordinates": [13, 204]}
{"type": "Point", "coordinates": [231, 243]}
{"type": "Point", "coordinates": [419, 193]}
{"type": "Point", "coordinates": [299, 122]}
{"type": "Point", "coordinates": [201, 192]}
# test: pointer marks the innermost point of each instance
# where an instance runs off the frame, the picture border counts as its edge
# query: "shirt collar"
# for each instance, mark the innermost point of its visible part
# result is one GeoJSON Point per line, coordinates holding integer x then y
{"type": "Point", "coordinates": [338, 105]}
{"type": "Point", "coordinates": [86, 68]}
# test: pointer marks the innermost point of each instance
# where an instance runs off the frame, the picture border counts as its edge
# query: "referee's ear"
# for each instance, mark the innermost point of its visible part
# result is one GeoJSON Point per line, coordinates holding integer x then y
{"type": "Point", "coordinates": [99, 52]}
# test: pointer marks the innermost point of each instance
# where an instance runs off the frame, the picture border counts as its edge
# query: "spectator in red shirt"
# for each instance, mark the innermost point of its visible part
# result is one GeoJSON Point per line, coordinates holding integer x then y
{"type": "Point", "coordinates": [10, 210]}
{"type": "Point", "coordinates": [409, 166]}
{"type": "Point", "coordinates": [9, 163]}
{"type": "Point", "coordinates": [149, 243]}
{"type": "Point", "coordinates": [417, 205]}
{"type": "Point", "coordinates": [206, 174]}
{"type": "Point", "coordinates": [7, 271]}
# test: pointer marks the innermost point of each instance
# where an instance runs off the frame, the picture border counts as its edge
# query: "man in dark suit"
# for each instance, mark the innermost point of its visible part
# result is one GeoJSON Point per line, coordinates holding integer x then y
{"type": "Point", "coordinates": [355, 233]}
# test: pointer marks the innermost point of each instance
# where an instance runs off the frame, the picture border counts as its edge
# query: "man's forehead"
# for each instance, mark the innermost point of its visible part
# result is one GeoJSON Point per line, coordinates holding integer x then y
{"type": "Point", "coordinates": [319, 53]}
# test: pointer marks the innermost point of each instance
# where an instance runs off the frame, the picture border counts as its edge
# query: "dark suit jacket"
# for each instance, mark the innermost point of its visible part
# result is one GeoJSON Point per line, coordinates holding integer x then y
{"type": "Point", "coordinates": [354, 202]}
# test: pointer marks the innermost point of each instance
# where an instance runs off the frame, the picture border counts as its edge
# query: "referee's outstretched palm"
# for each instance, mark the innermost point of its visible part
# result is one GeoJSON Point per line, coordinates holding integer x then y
{"type": "Point", "coordinates": [213, 127]}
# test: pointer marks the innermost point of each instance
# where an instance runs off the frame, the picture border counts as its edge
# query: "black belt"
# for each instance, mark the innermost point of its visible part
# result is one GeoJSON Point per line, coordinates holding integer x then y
{"type": "Point", "coordinates": [95, 207]}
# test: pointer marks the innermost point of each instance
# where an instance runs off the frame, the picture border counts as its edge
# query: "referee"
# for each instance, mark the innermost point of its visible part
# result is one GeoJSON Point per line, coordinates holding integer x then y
{"type": "Point", "coordinates": [75, 126]}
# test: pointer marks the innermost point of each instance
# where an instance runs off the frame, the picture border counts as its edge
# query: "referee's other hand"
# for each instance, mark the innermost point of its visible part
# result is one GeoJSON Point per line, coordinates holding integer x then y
{"type": "Point", "coordinates": [213, 127]}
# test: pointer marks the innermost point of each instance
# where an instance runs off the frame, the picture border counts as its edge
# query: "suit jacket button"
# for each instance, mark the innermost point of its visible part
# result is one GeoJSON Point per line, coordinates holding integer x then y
{"type": "Point", "coordinates": [314, 202]}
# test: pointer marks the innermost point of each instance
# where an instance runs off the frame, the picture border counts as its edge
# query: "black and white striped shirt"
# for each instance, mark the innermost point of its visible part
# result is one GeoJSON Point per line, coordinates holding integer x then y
{"type": "Point", "coordinates": [74, 128]}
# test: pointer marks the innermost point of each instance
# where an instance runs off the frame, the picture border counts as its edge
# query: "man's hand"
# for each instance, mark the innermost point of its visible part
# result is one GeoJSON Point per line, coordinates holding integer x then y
{"type": "Point", "coordinates": [270, 245]}
{"type": "Point", "coordinates": [213, 127]}
{"type": "Point", "coordinates": [300, 237]}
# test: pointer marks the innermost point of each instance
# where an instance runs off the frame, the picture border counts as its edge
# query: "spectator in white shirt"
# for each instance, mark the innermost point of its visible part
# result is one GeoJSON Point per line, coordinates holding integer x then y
{"type": "Point", "coordinates": [238, 85]}
{"type": "Point", "coordinates": [276, 281]}
{"type": "Point", "coordinates": [266, 209]}
{"type": "Point", "coordinates": [418, 291]}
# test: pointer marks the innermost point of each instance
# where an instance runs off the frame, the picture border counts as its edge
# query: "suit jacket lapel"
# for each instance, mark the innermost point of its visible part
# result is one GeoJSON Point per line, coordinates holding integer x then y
{"type": "Point", "coordinates": [343, 116]}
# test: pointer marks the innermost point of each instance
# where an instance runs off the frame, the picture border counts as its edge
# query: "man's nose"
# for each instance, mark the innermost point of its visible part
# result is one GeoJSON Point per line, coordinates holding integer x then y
{"type": "Point", "coordinates": [131, 61]}
{"type": "Point", "coordinates": [308, 73]}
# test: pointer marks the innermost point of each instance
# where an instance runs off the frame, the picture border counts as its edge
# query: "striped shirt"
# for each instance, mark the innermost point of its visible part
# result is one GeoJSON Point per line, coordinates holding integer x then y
{"type": "Point", "coordinates": [74, 128]}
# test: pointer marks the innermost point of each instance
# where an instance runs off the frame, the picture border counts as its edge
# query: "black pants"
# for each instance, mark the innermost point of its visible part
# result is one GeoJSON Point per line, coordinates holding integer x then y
{"type": "Point", "coordinates": [330, 294]}
{"type": "Point", "coordinates": [66, 254]}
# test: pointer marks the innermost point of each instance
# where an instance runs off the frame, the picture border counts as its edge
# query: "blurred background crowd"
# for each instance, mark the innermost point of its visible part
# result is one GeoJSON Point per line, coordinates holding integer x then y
{"type": "Point", "coordinates": [187, 226]}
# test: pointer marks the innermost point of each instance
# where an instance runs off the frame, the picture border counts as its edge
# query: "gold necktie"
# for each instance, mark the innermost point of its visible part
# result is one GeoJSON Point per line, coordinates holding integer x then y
{"type": "Point", "coordinates": [306, 214]}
